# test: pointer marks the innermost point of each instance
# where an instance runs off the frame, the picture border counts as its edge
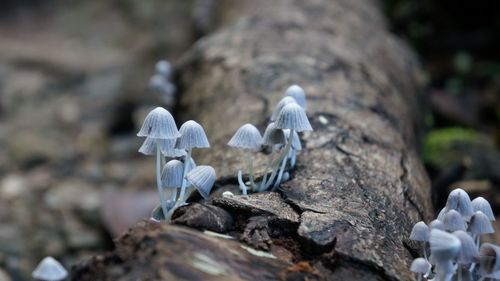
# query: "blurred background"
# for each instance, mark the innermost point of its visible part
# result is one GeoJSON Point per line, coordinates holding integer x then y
{"type": "Point", "coordinates": [74, 88]}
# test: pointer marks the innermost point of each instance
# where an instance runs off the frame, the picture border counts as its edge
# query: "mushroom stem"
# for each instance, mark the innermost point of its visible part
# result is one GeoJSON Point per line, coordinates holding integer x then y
{"type": "Point", "coordinates": [293, 157]}
{"type": "Point", "coordinates": [271, 159]}
{"type": "Point", "coordinates": [424, 246]}
{"type": "Point", "coordinates": [243, 187]}
{"type": "Point", "coordinates": [280, 174]}
{"type": "Point", "coordinates": [419, 277]}
{"type": "Point", "coordinates": [184, 181]}
{"type": "Point", "coordinates": [284, 154]}
{"type": "Point", "coordinates": [163, 202]}
{"type": "Point", "coordinates": [250, 169]}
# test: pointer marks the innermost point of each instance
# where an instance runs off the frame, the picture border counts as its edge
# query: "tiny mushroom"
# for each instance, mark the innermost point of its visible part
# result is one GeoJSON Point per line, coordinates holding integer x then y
{"type": "Point", "coordinates": [459, 200]}
{"type": "Point", "coordinates": [454, 221]}
{"type": "Point", "coordinates": [171, 177]}
{"type": "Point", "coordinates": [192, 136]}
{"type": "Point", "coordinates": [481, 204]}
{"type": "Point", "coordinates": [247, 138]}
{"type": "Point", "coordinates": [420, 232]}
{"type": "Point", "coordinates": [202, 178]}
{"type": "Point", "coordinates": [159, 125]}
{"type": "Point", "coordinates": [298, 94]}
{"type": "Point", "coordinates": [49, 269]}
{"type": "Point", "coordinates": [284, 101]}
{"type": "Point", "coordinates": [480, 224]}
{"type": "Point", "coordinates": [468, 251]}
{"type": "Point", "coordinates": [420, 266]}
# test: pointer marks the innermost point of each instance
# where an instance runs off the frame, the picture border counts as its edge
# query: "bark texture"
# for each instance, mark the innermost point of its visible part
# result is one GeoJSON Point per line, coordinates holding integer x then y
{"type": "Point", "coordinates": [359, 185]}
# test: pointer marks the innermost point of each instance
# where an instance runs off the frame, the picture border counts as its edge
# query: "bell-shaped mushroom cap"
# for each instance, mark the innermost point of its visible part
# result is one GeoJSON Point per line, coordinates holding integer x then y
{"type": "Point", "coordinates": [192, 135]}
{"type": "Point", "coordinates": [164, 68]}
{"type": "Point", "coordinates": [148, 147]}
{"type": "Point", "coordinates": [293, 117]}
{"type": "Point", "coordinates": [436, 224]}
{"type": "Point", "coordinates": [489, 258]}
{"type": "Point", "coordinates": [420, 265]}
{"type": "Point", "coordinates": [468, 250]}
{"type": "Point", "coordinates": [298, 94]}
{"type": "Point", "coordinates": [481, 204]}
{"type": "Point", "coordinates": [171, 176]}
{"type": "Point", "coordinates": [273, 136]}
{"type": "Point", "coordinates": [444, 246]}
{"type": "Point", "coordinates": [459, 200]}
{"type": "Point", "coordinates": [247, 137]}
{"type": "Point", "coordinates": [296, 144]}
{"type": "Point", "coordinates": [202, 178]}
{"type": "Point", "coordinates": [453, 221]}
{"type": "Point", "coordinates": [49, 269]}
{"type": "Point", "coordinates": [420, 232]}
{"type": "Point", "coordinates": [480, 224]}
{"type": "Point", "coordinates": [284, 101]}
{"type": "Point", "coordinates": [159, 124]}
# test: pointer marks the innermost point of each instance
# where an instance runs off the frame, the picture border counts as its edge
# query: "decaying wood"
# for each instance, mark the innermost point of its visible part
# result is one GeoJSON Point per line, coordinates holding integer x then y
{"type": "Point", "coordinates": [358, 186]}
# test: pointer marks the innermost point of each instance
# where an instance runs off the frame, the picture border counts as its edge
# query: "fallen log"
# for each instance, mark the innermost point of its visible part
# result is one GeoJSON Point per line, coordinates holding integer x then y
{"type": "Point", "coordinates": [358, 186]}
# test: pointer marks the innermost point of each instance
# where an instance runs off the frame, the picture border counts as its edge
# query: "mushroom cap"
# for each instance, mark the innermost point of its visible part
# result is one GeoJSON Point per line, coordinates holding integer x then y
{"type": "Point", "coordinates": [468, 250]}
{"type": "Point", "coordinates": [480, 224]}
{"type": "Point", "coordinates": [159, 124]}
{"type": "Point", "coordinates": [284, 101]}
{"type": "Point", "coordinates": [489, 258]}
{"type": "Point", "coordinates": [148, 147]}
{"type": "Point", "coordinates": [481, 204]}
{"type": "Point", "coordinates": [420, 265]}
{"type": "Point", "coordinates": [247, 137]}
{"type": "Point", "coordinates": [420, 232]}
{"type": "Point", "coordinates": [49, 269]}
{"type": "Point", "coordinates": [164, 68]}
{"type": "Point", "coordinates": [202, 178]}
{"type": "Point", "coordinates": [459, 200]}
{"type": "Point", "coordinates": [273, 135]}
{"type": "Point", "coordinates": [171, 175]}
{"type": "Point", "coordinates": [436, 224]}
{"type": "Point", "coordinates": [444, 246]}
{"type": "Point", "coordinates": [298, 94]}
{"type": "Point", "coordinates": [453, 221]}
{"type": "Point", "coordinates": [293, 117]}
{"type": "Point", "coordinates": [192, 135]}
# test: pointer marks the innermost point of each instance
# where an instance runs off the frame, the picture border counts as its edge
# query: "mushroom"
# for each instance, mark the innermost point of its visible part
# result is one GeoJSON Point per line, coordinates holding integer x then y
{"type": "Point", "coordinates": [202, 178]}
{"type": "Point", "coordinates": [274, 138]}
{"type": "Point", "coordinates": [453, 221]}
{"type": "Point", "coordinates": [247, 138]}
{"type": "Point", "coordinates": [444, 248]}
{"type": "Point", "coordinates": [49, 269]}
{"type": "Point", "coordinates": [159, 125]}
{"type": "Point", "coordinates": [481, 204]}
{"type": "Point", "coordinates": [459, 200]}
{"type": "Point", "coordinates": [171, 177]}
{"type": "Point", "coordinates": [294, 118]}
{"type": "Point", "coordinates": [468, 251]}
{"type": "Point", "coordinates": [192, 136]}
{"type": "Point", "coordinates": [298, 94]}
{"type": "Point", "coordinates": [420, 266]}
{"type": "Point", "coordinates": [420, 232]}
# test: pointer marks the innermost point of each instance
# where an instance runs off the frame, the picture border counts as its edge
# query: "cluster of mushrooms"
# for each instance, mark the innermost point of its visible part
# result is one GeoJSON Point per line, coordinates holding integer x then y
{"type": "Point", "coordinates": [454, 240]}
{"type": "Point", "coordinates": [178, 177]}
{"type": "Point", "coordinates": [281, 137]}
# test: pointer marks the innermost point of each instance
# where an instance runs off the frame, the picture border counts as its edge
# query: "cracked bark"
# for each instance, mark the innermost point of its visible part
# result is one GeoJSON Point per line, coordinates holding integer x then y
{"type": "Point", "coordinates": [358, 186]}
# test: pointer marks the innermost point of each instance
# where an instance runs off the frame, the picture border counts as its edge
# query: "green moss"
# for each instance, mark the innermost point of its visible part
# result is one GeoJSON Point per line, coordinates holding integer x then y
{"type": "Point", "coordinates": [446, 146]}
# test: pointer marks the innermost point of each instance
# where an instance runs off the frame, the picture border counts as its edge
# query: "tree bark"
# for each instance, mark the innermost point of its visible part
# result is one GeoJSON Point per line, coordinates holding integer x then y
{"type": "Point", "coordinates": [359, 185]}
